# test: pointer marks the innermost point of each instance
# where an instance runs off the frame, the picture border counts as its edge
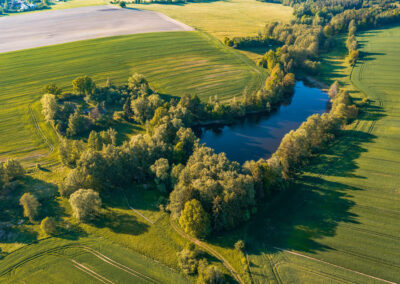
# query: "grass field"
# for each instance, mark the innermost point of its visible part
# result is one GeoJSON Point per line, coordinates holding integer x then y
{"type": "Point", "coordinates": [340, 223]}
{"type": "Point", "coordinates": [174, 63]}
{"type": "Point", "coordinates": [88, 260]}
{"type": "Point", "coordinates": [224, 18]}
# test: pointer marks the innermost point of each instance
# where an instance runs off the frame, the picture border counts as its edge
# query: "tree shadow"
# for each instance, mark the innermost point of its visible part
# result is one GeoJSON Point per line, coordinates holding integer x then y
{"type": "Point", "coordinates": [71, 232]}
{"type": "Point", "coordinates": [368, 56]}
{"type": "Point", "coordinates": [339, 160]}
{"type": "Point", "coordinates": [121, 223]}
{"type": "Point", "coordinates": [310, 209]}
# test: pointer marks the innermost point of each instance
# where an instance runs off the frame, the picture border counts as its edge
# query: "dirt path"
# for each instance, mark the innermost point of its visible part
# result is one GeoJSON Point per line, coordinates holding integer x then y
{"type": "Point", "coordinates": [62, 26]}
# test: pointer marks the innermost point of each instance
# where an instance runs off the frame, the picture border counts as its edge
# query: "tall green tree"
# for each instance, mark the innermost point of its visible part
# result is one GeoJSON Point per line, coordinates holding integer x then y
{"type": "Point", "coordinates": [194, 220]}
{"type": "Point", "coordinates": [84, 86]}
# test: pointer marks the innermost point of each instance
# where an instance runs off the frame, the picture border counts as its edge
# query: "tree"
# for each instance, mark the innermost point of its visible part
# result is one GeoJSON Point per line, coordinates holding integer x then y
{"type": "Point", "coordinates": [77, 124]}
{"type": "Point", "coordinates": [52, 89]}
{"type": "Point", "coordinates": [333, 90]}
{"type": "Point", "coordinates": [209, 274]}
{"type": "Point", "coordinates": [272, 60]}
{"type": "Point", "coordinates": [187, 260]}
{"type": "Point", "coordinates": [49, 106]}
{"type": "Point", "coordinates": [49, 226]}
{"type": "Point", "coordinates": [161, 170]}
{"type": "Point", "coordinates": [137, 82]}
{"type": "Point", "coordinates": [194, 220]}
{"type": "Point", "coordinates": [30, 204]}
{"type": "Point", "coordinates": [239, 245]}
{"type": "Point", "coordinates": [13, 169]}
{"type": "Point", "coordinates": [122, 4]}
{"type": "Point", "coordinates": [84, 86]}
{"type": "Point", "coordinates": [86, 204]}
{"type": "Point", "coordinates": [94, 141]}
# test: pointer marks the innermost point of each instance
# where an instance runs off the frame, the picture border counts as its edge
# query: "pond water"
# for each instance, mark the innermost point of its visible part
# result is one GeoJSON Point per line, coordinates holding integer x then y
{"type": "Point", "coordinates": [259, 135]}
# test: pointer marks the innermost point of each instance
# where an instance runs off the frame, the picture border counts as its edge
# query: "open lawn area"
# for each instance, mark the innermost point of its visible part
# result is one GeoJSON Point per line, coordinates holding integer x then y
{"type": "Point", "coordinates": [174, 63]}
{"type": "Point", "coordinates": [340, 222]}
{"type": "Point", "coordinates": [224, 18]}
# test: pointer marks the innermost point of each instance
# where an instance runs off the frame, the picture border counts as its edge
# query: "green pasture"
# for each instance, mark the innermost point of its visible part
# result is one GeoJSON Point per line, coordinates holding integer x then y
{"type": "Point", "coordinates": [89, 260]}
{"type": "Point", "coordinates": [340, 222]}
{"type": "Point", "coordinates": [175, 63]}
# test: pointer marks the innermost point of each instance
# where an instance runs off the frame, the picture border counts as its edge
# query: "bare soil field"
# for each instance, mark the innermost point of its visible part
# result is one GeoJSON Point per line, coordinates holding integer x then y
{"type": "Point", "coordinates": [54, 27]}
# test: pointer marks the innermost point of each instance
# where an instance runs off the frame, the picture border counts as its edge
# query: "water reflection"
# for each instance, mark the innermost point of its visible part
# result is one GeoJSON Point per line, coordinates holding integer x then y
{"type": "Point", "coordinates": [258, 135]}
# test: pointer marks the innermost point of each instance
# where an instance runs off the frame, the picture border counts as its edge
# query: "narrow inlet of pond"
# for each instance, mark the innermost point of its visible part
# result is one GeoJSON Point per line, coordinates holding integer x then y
{"type": "Point", "coordinates": [259, 135]}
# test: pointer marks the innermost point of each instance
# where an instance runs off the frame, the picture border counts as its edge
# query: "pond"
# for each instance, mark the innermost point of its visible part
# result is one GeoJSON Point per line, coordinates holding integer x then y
{"type": "Point", "coordinates": [259, 135]}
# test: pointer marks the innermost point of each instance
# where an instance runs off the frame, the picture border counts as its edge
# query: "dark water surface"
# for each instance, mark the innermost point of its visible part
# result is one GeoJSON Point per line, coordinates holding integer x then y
{"type": "Point", "coordinates": [259, 135]}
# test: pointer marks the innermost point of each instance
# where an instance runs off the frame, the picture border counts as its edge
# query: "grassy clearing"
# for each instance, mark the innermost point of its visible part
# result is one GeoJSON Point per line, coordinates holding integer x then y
{"type": "Point", "coordinates": [174, 63]}
{"type": "Point", "coordinates": [224, 18]}
{"type": "Point", "coordinates": [342, 216]}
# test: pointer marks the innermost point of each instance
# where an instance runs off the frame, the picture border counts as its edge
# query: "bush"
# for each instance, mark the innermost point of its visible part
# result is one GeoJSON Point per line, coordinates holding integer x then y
{"type": "Point", "coordinates": [209, 274]}
{"type": "Point", "coordinates": [49, 226]}
{"type": "Point", "coordinates": [187, 260]}
{"type": "Point", "coordinates": [122, 4]}
{"type": "Point", "coordinates": [30, 204]}
{"type": "Point", "coordinates": [239, 245]}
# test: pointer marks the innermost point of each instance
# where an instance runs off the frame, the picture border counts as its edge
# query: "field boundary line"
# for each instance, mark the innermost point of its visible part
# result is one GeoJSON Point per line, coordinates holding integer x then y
{"type": "Point", "coordinates": [210, 250]}
{"type": "Point", "coordinates": [335, 265]}
{"type": "Point", "coordinates": [40, 132]}
{"type": "Point", "coordinates": [118, 265]}
{"type": "Point", "coordinates": [91, 272]}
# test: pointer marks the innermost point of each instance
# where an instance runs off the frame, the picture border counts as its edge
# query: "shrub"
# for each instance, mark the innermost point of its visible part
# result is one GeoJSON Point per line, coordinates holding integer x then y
{"type": "Point", "coordinates": [30, 204]}
{"type": "Point", "coordinates": [49, 226]}
{"type": "Point", "coordinates": [239, 245]}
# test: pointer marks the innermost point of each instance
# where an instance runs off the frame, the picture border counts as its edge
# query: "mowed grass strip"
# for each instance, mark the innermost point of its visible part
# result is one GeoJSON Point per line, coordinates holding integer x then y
{"type": "Point", "coordinates": [345, 209]}
{"type": "Point", "coordinates": [175, 63]}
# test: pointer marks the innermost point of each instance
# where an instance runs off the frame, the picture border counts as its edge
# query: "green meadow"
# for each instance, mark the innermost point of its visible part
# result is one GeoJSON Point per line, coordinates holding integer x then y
{"type": "Point", "coordinates": [88, 260]}
{"type": "Point", "coordinates": [224, 18]}
{"type": "Point", "coordinates": [340, 222]}
{"type": "Point", "coordinates": [175, 63]}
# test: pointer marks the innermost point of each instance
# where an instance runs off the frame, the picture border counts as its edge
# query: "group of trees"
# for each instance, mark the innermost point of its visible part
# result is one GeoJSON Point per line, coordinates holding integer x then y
{"type": "Point", "coordinates": [12, 175]}
{"type": "Point", "coordinates": [192, 262]}
{"type": "Point", "coordinates": [351, 44]}
{"type": "Point", "coordinates": [298, 146]}
{"type": "Point", "coordinates": [211, 193]}
{"type": "Point", "coordinates": [335, 15]}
